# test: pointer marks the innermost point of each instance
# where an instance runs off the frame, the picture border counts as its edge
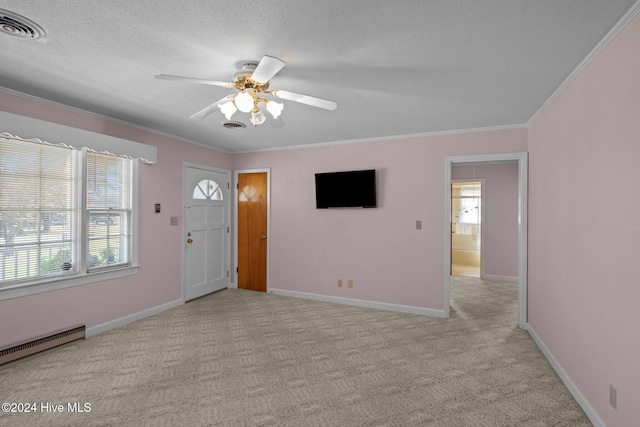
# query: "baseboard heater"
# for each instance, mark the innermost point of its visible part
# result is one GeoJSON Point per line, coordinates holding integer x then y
{"type": "Point", "coordinates": [44, 342]}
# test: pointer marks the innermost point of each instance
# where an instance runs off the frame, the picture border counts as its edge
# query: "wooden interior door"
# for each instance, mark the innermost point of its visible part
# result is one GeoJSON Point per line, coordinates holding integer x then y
{"type": "Point", "coordinates": [252, 231]}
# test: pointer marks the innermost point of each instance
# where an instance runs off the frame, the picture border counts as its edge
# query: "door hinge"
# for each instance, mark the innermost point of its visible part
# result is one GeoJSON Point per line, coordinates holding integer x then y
{"type": "Point", "coordinates": [236, 269]}
{"type": "Point", "coordinates": [227, 273]}
{"type": "Point", "coordinates": [237, 185]}
{"type": "Point", "coordinates": [228, 185]}
{"type": "Point", "coordinates": [227, 229]}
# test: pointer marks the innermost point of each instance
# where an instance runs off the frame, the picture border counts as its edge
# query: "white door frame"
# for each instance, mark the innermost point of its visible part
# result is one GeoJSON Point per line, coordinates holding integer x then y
{"type": "Point", "coordinates": [183, 227]}
{"type": "Point", "coordinates": [234, 284]}
{"type": "Point", "coordinates": [482, 218]}
{"type": "Point", "coordinates": [523, 162]}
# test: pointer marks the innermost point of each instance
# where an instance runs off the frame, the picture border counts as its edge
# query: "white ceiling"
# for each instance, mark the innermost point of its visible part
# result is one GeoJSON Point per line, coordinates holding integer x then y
{"type": "Point", "coordinates": [394, 68]}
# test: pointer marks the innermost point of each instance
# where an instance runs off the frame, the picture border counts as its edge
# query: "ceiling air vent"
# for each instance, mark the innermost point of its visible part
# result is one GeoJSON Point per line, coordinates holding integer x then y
{"type": "Point", "coordinates": [18, 26]}
{"type": "Point", "coordinates": [234, 125]}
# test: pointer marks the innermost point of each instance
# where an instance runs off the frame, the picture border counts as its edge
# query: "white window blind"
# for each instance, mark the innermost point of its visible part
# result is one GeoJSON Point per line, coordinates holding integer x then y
{"type": "Point", "coordinates": [38, 206]}
{"type": "Point", "coordinates": [68, 215]}
{"type": "Point", "coordinates": [109, 211]}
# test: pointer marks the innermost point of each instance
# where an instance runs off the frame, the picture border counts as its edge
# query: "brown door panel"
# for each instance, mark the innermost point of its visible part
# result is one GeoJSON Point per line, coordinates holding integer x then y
{"type": "Point", "coordinates": [252, 231]}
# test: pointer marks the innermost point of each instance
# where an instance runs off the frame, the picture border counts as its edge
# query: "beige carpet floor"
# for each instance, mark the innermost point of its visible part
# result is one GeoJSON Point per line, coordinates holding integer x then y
{"type": "Point", "coordinates": [240, 358]}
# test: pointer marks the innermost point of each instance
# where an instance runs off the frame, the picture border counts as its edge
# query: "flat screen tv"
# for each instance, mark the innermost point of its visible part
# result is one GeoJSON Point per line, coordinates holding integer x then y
{"type": "Point", "coordinates": [350, 189]}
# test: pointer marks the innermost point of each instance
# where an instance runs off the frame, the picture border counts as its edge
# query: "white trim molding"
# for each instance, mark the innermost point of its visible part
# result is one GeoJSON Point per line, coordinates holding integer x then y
{"type": "Point", "coordinates": [361, 303]}
{"type": "Point", "coordinates": [588, 410]}
{"type": "Point", "coordinates": [62, 282]}
{"type": "Point", "coordinates": [28, 127]}
{"type": "Point", "coordinates": [116, 323]}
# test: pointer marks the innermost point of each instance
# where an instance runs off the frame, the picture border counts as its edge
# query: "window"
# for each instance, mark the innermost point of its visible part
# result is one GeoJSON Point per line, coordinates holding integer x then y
{"type": "Point", "coordinates": [207, 189]}
{"type": "Point", "coordinates": [64, 213]}
{"type": "Point", "coordinates": [37, 207]}
{"type": "Point", "coordinates": [470, 199]}
{"type": "Point", "coordinates": [108, 210]}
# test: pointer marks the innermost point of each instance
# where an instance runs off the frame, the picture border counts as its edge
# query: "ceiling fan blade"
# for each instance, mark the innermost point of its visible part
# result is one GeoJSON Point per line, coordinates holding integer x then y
{"type": "Point", "coordinates": [305, 99]}
{"type": "Point", "coordinates": [267, 68]}
{"type": "Point", "coordinates": [193, 80]}
{"type": "Point", "coordinates": [210, 109]}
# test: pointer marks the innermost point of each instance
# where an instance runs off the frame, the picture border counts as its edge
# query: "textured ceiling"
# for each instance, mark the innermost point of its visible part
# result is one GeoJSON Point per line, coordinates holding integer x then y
{"type": "Point", "coordinates": [394, 68]}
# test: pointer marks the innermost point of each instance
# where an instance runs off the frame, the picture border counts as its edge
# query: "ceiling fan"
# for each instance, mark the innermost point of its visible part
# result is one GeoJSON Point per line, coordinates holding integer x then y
{"type": "Point", "coordinates": [253, 83]}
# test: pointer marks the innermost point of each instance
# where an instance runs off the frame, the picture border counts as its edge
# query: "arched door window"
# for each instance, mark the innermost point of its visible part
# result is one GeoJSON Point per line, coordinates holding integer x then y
{"type": "Point", "coordinates": [207, 189]}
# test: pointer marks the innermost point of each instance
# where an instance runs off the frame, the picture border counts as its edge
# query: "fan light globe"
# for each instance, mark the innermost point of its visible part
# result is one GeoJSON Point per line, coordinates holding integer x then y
{"type": "Point", "coordinates": [275, 108]}
{"type": "Point", "coordinates": [257, 118]}
{"type": "Point", "coordinates": [228, 109]}
{"type": "Point", "coordinates": [244, 102]}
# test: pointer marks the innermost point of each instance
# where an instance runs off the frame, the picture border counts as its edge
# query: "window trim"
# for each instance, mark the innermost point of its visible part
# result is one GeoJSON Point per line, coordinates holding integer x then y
{"type": "Point", "coordinates": [81, 276]}
{"type": "Point", "coordinates": [55, 133]}
{"type": "Point", "coordinates": [22, 289]}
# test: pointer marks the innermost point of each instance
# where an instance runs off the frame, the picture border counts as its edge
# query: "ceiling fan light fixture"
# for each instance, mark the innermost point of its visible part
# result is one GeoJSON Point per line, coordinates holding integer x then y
{"type": "Point", "coordinates": [275, 108]}
{"type": "Point", "coordinates": [244, 102]}
{"type": "Point", "coordinates": [257, 118]}
{"type": "Point", "coordinates": [228, 109]}
{"type": "Point", "coordinates": [252, 82]}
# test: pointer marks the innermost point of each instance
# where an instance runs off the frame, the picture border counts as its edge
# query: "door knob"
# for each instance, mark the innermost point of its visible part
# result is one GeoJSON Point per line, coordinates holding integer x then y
{"type": "Point", "coordinates": [263, 237]}
{"type": "Point", "coordinates": [189, 240]}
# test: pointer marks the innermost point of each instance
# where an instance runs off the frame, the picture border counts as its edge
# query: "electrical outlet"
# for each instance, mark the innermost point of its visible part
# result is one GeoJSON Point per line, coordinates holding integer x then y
{"type": "Point", "coordinates": [339, 283]}
{"type": "Point", "coordinates": [350, 283]}
{"type": "Point", "coordinates": [613, 396]}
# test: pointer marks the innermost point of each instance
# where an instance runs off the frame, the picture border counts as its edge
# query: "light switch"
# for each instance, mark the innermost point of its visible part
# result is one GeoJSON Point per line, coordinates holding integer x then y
{"type": "Point", "coordinates": [157, 207]}
{"type": "Point", "coordinates": [174, 220]}
{"type": "Point", "coordinates": [418, 225]}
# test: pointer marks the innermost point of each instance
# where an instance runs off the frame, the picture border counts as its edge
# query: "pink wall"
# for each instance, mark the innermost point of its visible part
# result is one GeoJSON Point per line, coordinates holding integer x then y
{"type": "Point", "coordinates": [380, 249]}
{"type": "Point", "coordinates": [158, 280]}
{"type": "Point", "coordinates": [584, 237]}
{"type": "Point", "coordinates": [500, 248]}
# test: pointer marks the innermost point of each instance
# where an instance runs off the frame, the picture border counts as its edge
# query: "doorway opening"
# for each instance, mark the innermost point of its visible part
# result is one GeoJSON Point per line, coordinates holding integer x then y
{"type": "Point", "coordinates": [522, 160]}
{"type": "Point", "coordinates": [466, 228]}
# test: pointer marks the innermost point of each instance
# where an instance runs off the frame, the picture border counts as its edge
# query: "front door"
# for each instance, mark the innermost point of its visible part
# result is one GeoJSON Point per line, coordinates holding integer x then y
{"type": "Point", "coordinates": [206, 227]}
{"type": "Point", "coordinates": [252, 231]}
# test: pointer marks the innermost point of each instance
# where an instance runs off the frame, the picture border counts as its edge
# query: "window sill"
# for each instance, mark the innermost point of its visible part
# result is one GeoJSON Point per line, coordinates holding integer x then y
{"type": "Point", "coordinates": [22, 289]}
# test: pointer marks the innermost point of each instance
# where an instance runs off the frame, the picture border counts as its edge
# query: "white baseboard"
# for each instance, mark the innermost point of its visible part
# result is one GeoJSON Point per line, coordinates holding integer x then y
{"type": "Point", "coordinates": [98, 329]}
{"type": "Point", "coordinates": [588, 410]}
{"type": "Point", "coordinates": [500, 278]}
{"type": "Point", "coordinates": [361, 303]}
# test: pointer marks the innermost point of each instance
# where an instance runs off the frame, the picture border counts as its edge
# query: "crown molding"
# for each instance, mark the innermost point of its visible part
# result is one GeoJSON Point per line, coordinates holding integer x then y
{"type": "Point", "coordinates": [626, 18]}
